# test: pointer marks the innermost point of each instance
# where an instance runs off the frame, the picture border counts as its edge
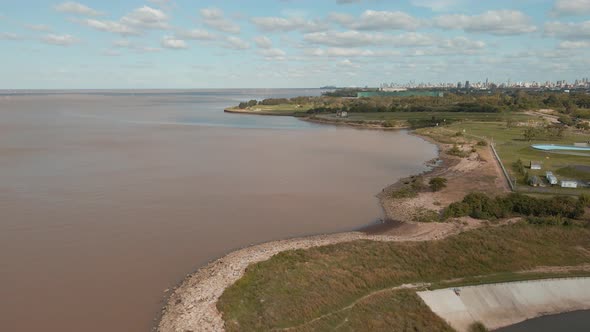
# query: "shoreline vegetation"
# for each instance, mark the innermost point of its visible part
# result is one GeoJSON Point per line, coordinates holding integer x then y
{"type": "Point", "coordinates": [239, 292]}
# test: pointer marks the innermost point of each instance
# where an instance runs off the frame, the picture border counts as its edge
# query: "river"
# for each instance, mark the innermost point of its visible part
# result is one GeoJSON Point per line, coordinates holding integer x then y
{"type": "Point", "coordinates": [577, 321]}
{"type": "Point", "coordinates": [109, 198]}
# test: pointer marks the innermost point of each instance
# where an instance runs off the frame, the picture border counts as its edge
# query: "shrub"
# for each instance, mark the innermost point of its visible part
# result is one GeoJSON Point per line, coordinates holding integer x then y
{"type": "Point", "coordinates": [455, 151]}
{"type": "Point", "coordinates": [481, 206]}
{"type": "Point", "coordinates": [482, 143]}
{"type": "Point", "coordinates": [477, 327]}
{"type": "Point", "coordinates": [389, 124]}
{"type": "Point", "coordinates": [584, 200]}
{"type": "Point", "coordinates": [438, 183]}
{"type": "Point", "coordinates": [426, 215]}
{"type": "Point", "coordinates": [550, 220]}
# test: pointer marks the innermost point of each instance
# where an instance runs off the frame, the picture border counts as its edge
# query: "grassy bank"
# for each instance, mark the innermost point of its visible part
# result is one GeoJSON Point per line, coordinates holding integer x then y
{"type": "Point", "coordinates": [346, 285]}
{"type": "Point", "coordinates": [512, 146]}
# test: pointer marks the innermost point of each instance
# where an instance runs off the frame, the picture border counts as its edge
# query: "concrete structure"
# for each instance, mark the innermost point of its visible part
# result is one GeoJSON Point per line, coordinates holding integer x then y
{"type": "Point", "coordinates": [551, 178]}
{"type": "Point", "coordinates": [568, 184]}
{"type": "Point", "coordinates": [499, 305]}
{"type": "Point", "coordinates": [536, 165]}
{"type": "Point", "coordinates": [342, 114]}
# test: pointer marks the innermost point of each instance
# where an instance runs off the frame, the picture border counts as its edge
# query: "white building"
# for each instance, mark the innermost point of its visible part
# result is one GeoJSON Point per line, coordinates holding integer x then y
{"type": "Point", "coordinates": [569, 184]}
{"type": "Point", "coordinates": [536, 165]}
{"type": "Point", "coordinates": [551, 178]}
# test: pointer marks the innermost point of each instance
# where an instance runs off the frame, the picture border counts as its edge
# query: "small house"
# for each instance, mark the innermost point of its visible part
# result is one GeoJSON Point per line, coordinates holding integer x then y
{"type": "Point", "coordinates": [535, 181]}
{"type": "Point", "coordinates": [569, 184]}
{"type": "Point", "coordinates": [551, 178]}
{"type": "Point", "coordinates": [536, 165]}
{"type": "Point", "coordinates": [342, 114]}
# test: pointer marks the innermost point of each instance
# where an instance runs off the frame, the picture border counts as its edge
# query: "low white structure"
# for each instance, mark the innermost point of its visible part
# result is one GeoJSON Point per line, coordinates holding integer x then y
{"type": "Point", "coordinates": [499, 305]}
{"type": "Point", "coordinates": [569, 184]}
{"type": "Point", "coordinates": [536, 165]}
{"type": "Point", "coordinates": [551, 178]}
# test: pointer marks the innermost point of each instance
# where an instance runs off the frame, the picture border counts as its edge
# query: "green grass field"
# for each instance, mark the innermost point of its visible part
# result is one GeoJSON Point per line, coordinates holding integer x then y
{"type": "Point", "coordinates": [456, 116]}
{"type": "Point", "coordinates": [511, 146]}
{"type": "Point", "coordinates": [349, 286]}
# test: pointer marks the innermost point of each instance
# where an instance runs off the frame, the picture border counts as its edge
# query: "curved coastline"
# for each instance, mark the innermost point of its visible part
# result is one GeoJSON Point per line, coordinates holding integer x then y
{"type": "Point", "coordinates": [191, 306]}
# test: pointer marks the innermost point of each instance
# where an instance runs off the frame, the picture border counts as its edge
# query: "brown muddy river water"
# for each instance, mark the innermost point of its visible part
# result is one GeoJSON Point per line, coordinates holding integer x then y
{"type": "Point", "coordinates": [109, 198]}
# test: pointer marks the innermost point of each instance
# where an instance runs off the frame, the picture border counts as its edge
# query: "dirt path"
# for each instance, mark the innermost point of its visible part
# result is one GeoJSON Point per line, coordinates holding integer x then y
{"type": "Point", "coordinates": [353, 304]}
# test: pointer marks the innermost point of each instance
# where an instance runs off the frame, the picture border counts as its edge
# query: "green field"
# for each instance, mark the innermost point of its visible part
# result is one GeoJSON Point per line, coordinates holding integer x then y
{"type": "Point", "coordinates": [456, 116]}
{"type": "Point", "coordinates": [351, 286]}
{"type": "Point", "coordinates": [511, 146]}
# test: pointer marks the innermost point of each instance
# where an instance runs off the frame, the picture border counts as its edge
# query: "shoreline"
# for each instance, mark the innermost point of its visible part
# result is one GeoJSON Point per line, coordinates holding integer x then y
{"type": "Point", "coordinates": [191, 305]}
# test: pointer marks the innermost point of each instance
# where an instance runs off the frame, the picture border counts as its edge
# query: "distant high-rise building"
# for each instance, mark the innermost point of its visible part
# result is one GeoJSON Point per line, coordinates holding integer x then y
{"type": "Point", "coordinates": [459, 85]}
{"type": "Point", "coordinates": [487, 84]}
{"type": "Point", "coordinates": [467, 85]}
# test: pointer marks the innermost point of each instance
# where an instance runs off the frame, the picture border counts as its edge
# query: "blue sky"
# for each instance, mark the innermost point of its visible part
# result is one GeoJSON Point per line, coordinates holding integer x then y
{"type": "Point", "coordinates": [89, 44]}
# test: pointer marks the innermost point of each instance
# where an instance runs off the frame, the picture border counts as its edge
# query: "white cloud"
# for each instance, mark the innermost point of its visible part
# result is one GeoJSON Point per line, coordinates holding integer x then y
{"type": "Point", "coordinates": [496, 22]}
{"type": "Point", "coordinates": [336, 52]}
{"type": "Point", "coordinates": [356, 39]}
{"type": "Point", "coordinates": [38, 27]}
{"type": "Point", "coordinates": [214, 18]}
{"type": "Point", "coordinates": [571, 7]}
{"type": "Point", "coordinates": [60, 40]}
{"type": "Point", "coordinates": [136, 47]}
{"type": "Point", "coordinates": [236, 43]}
{"type": "Point", "coordinates": [348, 63]}
{"type": "Point", "coordinates": [462, 43]}
{"type": "Point", "coordinates": [134, 23]}
{"type": "Point", "coordinates": [146, 17]}
{"type": "Point", "coordinates": [173, 43]}
{"type": "Point", "coordinates": [282, 24]}
{"type": "Point", "coordinates": [263, 42]}
{"type": "Point", "coordinates": [195, 34]}
{"type": "Point", "coordinates": [574, 44]}
{"type": "Point", "coordinates": [109, 26]}
{"type": "Point", "coordinates": [570, 30]}
{"type": "Point", "coordinates": [77, 8]}
{"type": "Point", "coordinates": [273, 53]}
{"type": "Point", "coordinates": [379, 20]}
{"type": "Point", "coordinates": [437, 5]}
{"type": "Point", "coordinates": [9, 36]}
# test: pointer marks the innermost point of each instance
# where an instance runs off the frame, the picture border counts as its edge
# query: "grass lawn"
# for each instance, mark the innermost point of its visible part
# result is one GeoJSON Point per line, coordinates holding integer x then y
{"type": "Point", "coordinates": [511, 146]}
{"type": "Point", "coordinates": [469, 116]}
{"type": "Point", "coordinates": [348, 286]}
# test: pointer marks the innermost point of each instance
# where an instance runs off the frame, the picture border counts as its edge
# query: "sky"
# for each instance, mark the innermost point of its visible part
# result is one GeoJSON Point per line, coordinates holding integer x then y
{"type": "Point", "coordinates": [140, 44]}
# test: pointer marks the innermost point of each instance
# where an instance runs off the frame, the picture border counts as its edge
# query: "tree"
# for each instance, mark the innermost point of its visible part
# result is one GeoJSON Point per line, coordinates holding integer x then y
{"type": "Point", "coordinates": [252, 103]}
{"type": "Point", "coordinates": [243, 105]}
{"type": "Point", "coordinates": [530, 134]}
{"type": "Point", "coordinates": [438, 183]}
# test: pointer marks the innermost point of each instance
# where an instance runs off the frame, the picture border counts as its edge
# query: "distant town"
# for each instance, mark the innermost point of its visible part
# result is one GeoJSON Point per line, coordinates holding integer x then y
{"type": "Point", "coordinates": [582, 83]}
{"type": "Point", "coordinates": [561, 85]}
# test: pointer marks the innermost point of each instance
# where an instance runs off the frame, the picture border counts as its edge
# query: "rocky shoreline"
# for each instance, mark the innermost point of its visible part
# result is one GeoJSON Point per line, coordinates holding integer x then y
{"type": "Point", "coordinates": [192, 305]}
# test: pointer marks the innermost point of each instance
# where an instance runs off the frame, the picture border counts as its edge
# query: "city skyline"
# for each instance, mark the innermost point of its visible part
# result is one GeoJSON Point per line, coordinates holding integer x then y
{"type": "Point", "coordinates": [280, 43]}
